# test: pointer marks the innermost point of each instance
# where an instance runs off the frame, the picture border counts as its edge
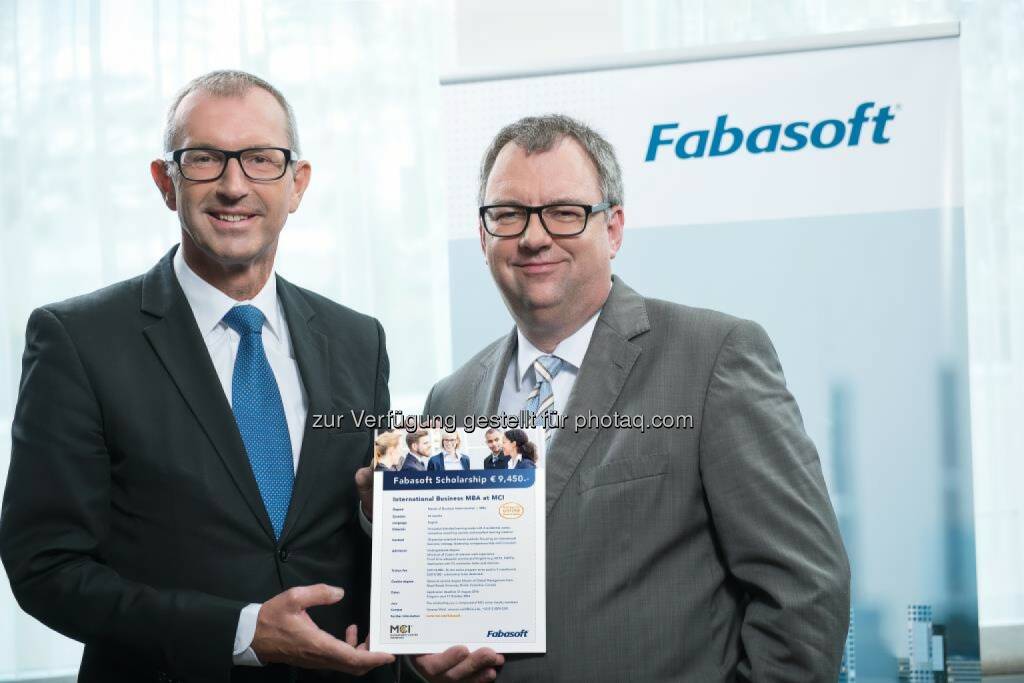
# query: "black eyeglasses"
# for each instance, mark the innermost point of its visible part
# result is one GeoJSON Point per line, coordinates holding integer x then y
{"type": "Point", "coordinates": [206, 163]}
{"type": "Point", "coordinates": [559, 220]}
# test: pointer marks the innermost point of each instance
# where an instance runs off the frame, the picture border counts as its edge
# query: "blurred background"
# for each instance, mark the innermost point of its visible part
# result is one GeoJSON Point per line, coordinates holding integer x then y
{"type": "Point", "coordinates": [84, 87]}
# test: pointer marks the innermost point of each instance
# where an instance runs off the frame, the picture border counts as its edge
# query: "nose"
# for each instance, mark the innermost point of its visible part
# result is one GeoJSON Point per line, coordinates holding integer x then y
{"type": "Point", "coordinates": [535, 237]}
{"type": "Point", "coordinates": [233, 184]}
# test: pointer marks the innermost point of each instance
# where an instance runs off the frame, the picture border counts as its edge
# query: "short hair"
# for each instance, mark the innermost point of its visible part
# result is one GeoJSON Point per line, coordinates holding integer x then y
{"type": "Point", "coordinates": [413, 437]}
{"type": "Point", "coordinates": [540, 133]}
{"type": "Point", "coordinates": [228, 83]}
{"type": "Point", "coordinates": [492, 430]}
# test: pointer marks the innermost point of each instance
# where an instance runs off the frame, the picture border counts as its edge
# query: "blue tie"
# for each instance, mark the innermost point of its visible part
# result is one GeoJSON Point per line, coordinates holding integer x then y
{"type": "Point", "coordinates": [541, 400]}
{"type": "Point", "coordinates": [256, 402]}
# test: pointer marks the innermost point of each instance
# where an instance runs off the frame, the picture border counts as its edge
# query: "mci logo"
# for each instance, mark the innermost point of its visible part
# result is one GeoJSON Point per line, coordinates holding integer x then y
{"type": "Point", "coordinates": [865, 125]}
{"type": "Point", "coordinates": [508, 634]}
{"type": "Point", "coordinates": [401, 629]}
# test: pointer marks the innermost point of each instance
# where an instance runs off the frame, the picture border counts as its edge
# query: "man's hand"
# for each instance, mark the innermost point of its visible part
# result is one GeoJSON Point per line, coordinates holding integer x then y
{"type": "Point", "coordinates": [459, 664]}
{"type": "Point", "coordinates": [286, 634]}
{"type": "Point", "coordinates": [364, 484]}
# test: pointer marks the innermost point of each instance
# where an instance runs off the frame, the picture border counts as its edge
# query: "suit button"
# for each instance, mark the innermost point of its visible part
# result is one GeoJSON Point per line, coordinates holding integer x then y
{"type": "Point", "coordinates": [283, 554]}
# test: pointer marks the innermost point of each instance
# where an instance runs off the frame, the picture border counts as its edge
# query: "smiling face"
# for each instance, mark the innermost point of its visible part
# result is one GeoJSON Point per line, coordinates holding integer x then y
{"type": "Point", "coordinates": [494, 442]}
{"type": "Point", "coordinates": [232, 222]}
{"type": "Point", "coordinates": [422, 446]}
{"type": "Point", "coordinates": [544, 280]}
{"type": "Point", "coordinates": [508, 447]}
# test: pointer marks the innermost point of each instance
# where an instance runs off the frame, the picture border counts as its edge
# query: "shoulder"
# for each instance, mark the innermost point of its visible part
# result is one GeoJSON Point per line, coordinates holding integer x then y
{"type": "Point", "coordinates": [103, 309]}
{"type": "Point", "coordinates": [703, 330]}
{"type": "Point", "coordinates": [670, 316]}
{"type": "Point", "coordinates": [351, 333]}
{"type": "Point", "coordinates": [467, 376]}
{"type": "Point", "coordinates": [331, 314]}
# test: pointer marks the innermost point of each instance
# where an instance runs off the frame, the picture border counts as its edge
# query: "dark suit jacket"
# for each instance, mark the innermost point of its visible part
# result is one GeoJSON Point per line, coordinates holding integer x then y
{"type": "Point", "coordinates": [706, 553]}
{"type": "Point", "coordinates": [496, 462]}
{"type": "Point", "coordinates": [132, 520]}
{"type": "Point", "coordinates": [411, 462]}
{"type": "Point", "coordinates": [525, 464]}
{"type": "Point", "coordinates": [436, 462]}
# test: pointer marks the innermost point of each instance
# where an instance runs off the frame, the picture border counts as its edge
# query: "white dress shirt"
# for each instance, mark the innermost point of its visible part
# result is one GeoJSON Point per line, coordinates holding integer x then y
{"type": "Point", "coordinates": [209, 305]}
{"type": "Point", "coordinates": [520, 377]}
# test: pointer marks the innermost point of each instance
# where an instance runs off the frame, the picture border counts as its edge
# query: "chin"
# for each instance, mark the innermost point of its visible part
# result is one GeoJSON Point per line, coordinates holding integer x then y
{"type": "Point", "coordinates": [539, 302]}
{"type": "Point", "coordinates": [536, 295]}
{"type": "Point", "coordinates": [235, 252]}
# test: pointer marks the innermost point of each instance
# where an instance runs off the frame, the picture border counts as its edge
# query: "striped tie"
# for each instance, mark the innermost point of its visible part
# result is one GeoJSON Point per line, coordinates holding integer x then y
{"type": "Point", "coordinates": [541, 400]}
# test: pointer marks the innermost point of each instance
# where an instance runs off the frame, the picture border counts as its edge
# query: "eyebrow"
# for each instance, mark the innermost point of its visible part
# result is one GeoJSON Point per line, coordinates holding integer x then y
{"type": "Point", "coordinates": [557, 200]}
{"type": "Point", "coordinates": [207, 145]}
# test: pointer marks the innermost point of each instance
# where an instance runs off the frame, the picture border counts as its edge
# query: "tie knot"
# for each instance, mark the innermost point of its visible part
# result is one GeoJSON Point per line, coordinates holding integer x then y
{"type": "Point", "coordinates": [546, 367]}
{"type": "Point", "coordinates": [246, 319]}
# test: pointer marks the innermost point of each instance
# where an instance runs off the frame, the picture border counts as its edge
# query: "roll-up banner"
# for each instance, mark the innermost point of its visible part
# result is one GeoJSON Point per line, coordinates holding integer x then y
{"type": "Point", "coordinates": [813, 186]}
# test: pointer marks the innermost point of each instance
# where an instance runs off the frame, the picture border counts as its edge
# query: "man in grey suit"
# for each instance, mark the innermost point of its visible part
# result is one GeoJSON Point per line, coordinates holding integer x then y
{"type": "Point", "coordinates": [705, 552]}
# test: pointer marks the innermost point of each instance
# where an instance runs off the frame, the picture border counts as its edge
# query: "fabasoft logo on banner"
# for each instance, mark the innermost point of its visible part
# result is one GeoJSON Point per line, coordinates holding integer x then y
{"type": "Point", "coordinates": [773, 137]}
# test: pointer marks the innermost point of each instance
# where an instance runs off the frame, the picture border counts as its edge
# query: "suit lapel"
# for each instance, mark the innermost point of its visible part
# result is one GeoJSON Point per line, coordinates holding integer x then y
{"type": "Point", "coordinates": [606, 366]}
{"type": "Point", "coordinates": [312, 354]}
{"type": "Point", "coordinates": [176, 339]}
{"type": "Point", "coordinates": [494, 367]}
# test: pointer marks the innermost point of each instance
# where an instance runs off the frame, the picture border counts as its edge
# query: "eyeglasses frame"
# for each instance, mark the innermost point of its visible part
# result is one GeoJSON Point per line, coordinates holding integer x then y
{"type": "Point", "coordinates": [290, 156]}
{"type": "Point", "coordinates": [530, 210]}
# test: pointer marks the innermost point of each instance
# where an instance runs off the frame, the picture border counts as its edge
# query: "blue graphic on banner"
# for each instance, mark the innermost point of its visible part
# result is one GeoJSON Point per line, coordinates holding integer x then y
{"type": "Point", "coordinates": [472, 479]}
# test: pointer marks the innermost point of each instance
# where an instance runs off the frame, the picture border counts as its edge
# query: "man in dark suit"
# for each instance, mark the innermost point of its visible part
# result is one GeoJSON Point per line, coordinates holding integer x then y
{"type": "Point", "coordinates": [707, 551]}
{"type": "Point", "coordinates": [168, 502]}
{"type": "Point", "coordinates": [496, 459]}
{"type": "Point", "coordinates": [418, 456]}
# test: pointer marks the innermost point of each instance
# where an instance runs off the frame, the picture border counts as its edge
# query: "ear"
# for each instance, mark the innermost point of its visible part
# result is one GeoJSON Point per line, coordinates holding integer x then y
{"type": "Point", "coordinates": [483, 240]}
{"type": "Point", "coordinates": [301, 181]}
{"type": "Point", "coordinates": [616, 224]}
{"type": "Point", "coordinates": [158, 168]}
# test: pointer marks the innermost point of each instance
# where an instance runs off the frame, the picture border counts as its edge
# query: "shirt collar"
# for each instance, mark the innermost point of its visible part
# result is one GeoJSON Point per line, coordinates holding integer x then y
{"type": "Point", "coordinates": [209, 304]}
{"type": "Point", "coordinates": [571, 349]}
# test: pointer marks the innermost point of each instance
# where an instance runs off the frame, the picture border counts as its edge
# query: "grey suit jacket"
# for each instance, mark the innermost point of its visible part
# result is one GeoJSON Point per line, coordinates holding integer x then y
{"type": "Point", "coordinates": [703, 554]}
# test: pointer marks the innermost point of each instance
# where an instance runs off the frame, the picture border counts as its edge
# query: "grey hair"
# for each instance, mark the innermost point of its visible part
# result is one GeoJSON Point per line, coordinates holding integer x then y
{"type": "Point", "coordinates": [540, 133]}
{"type": "Point", "coordinates": [228, 83]}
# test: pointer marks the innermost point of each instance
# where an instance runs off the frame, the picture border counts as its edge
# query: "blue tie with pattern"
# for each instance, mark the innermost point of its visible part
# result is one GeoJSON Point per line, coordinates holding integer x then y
{"type": "Point", "coordinates": [259, 412]}
{"type": "Point", "coordinates": [541, 400]}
